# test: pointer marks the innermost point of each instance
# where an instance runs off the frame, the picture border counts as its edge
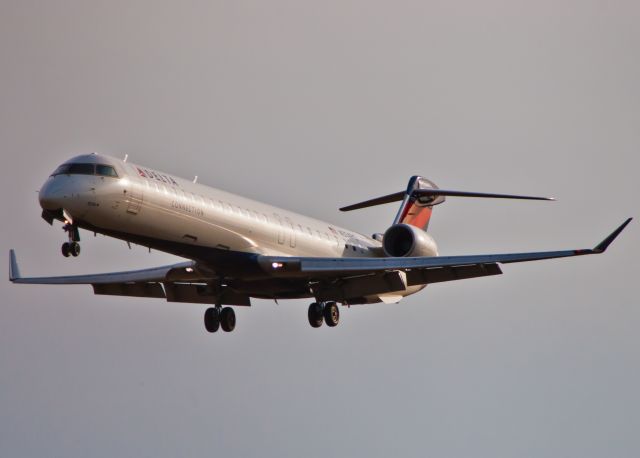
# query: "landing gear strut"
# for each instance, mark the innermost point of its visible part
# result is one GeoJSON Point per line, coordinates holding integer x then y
{"type": "Point", "coordinates": [215, 317]}
{"type": "Point", "coordinates": [72, 247]}
{"type": "Point", "coordinates": [323, 311]}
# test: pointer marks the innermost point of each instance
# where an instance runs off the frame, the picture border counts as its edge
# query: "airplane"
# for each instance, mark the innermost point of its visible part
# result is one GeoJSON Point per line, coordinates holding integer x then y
{"type": "Point", "coordinates": [240, 249]}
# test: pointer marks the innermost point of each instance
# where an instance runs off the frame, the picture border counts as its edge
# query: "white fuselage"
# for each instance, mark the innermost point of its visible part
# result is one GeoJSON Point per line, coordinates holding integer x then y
{"type": "Point", "coordinates": [144, 202]}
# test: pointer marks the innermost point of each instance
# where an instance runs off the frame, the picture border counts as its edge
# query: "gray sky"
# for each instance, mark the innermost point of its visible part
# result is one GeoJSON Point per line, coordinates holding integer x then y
{"type": "Point", "coordinates": [310, 106]}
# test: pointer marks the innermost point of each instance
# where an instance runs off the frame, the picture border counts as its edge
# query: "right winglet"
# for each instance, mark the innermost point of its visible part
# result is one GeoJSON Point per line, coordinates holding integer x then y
{"type": "Point", "coordinates": [14, 270]}
{"type": "Point", "coordinates": [602, 246]}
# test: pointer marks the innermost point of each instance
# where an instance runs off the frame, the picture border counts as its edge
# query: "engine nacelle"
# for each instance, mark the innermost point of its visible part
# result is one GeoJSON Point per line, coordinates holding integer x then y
{"type": "Point", "coordinates": [403, 240]}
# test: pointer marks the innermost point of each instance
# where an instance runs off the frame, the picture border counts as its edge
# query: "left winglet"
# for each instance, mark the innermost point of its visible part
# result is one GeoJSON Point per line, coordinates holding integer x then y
{"type": "Point", "coordinates": [602, 246]}
{"type": "Point", "coordinates": [14, 270]}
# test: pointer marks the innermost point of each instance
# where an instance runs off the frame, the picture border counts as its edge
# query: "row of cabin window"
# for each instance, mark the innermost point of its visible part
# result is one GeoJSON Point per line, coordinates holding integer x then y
{"type": "Point", "coordinates": [245, 212]}
{"type": "Point", "coordinates": [198, 199]}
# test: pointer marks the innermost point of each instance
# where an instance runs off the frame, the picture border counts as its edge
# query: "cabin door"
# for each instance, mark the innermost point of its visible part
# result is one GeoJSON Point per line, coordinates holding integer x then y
{"type": "Point", "coordinates": [134, 197]}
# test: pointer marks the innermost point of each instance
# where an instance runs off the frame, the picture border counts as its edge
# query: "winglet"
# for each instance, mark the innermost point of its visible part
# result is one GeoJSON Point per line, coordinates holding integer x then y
{"type": "Point", "coordinates": [602, 246]}
{"type": "Point", "coordinates": [14, 271]}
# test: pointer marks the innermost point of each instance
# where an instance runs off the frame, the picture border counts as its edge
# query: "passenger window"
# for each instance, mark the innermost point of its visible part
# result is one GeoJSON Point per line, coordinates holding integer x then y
{"type": "Point", "coordinates": [105, 170]}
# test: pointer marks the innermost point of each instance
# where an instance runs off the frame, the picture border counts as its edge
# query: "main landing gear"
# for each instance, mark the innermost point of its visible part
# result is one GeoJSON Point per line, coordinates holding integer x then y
{"type": "Point", "coordinates": [216, 317]}
{"type": "Point", "coordinates": [324, 311]}
{"type": "Point", "coordinates": [72, 247]}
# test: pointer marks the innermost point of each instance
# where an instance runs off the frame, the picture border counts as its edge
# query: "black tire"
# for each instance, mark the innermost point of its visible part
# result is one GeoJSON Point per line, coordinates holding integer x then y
{"type": "Point", "coordinates": [331, 314]}
{"type": "Point", "coordinates": [315, 315]}
{"type": "Point", "coordinates": [66, 249]}
{"type": "Point", "coordinates": [228, 319]}
{"type": "Point", "coordinates": [211, 319]}
{"type": "Point", "coordinates": [75, 249]}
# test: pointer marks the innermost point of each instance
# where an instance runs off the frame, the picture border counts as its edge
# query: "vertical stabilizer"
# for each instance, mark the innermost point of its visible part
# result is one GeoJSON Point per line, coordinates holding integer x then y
{"type": "Point", "coordinates": [416, 210]}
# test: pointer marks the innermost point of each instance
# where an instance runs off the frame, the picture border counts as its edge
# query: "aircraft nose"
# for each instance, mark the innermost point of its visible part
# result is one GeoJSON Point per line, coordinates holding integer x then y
{"type": "Point", "coordinates": [51, 195]}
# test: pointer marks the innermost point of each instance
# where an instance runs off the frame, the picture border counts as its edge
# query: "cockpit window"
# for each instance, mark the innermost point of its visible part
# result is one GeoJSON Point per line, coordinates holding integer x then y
{"type": "Point", "coordinates": [105, 170]}
{"type": "Point", "coordinates": [75, 169]}
{"type": "Point", "coordinates": [81, 169]}
{"type": "Point", "coordinates": [85, 169]}
{"type": "Point", "coordinates": [64, 168]}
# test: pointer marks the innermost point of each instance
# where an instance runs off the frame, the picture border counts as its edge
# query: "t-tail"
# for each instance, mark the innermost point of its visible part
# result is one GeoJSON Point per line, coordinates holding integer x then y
{"type": "Point", "coordinates": [421, 196]}
{"type": "Point", "coordinates": [416, 209]}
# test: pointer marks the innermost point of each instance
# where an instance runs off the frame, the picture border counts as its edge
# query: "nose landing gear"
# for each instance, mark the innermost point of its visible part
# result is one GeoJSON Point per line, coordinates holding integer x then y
{"type": "Point", "coordinates": [72, 247]}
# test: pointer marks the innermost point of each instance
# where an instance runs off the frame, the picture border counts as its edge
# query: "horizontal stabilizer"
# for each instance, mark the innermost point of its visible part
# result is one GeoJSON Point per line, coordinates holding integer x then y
{"type": "Point", "coordinates": [434, 192]}
{"type": "Point", "coordinates": [444, 192]}
{"type": "Point", "coordinates": [395, 197]}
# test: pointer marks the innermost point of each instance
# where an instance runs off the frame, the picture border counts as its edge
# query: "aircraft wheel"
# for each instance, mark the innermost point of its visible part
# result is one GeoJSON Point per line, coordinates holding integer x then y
{"type": "Point", "coordinates": [66, 249]}
{"type": "Point", "coordinates": [75, 249]}
{"type": "Point", "coordinates": [228, 319]}
{"type": "Point", "coordinates": [331, 314]}
{"type": "Point", "coordinates": [315, 315]}
{"type": "Point", "coordinates": [211, 319]}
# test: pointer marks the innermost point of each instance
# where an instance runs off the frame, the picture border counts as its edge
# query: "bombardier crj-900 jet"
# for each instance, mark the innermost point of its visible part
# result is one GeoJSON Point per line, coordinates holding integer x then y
{"type": "Point", "coordinates": [239, 249]}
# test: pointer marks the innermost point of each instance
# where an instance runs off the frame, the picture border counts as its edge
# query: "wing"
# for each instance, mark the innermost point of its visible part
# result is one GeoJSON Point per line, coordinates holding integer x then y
{"type": "Point", "coordinates": [418, 267]}
{"type": "Point", "coordinates": [155, 274]}
{"type": "Point", "coordinates": [181, 282]}
{"type": "Point", "coordinates": [347, 279]}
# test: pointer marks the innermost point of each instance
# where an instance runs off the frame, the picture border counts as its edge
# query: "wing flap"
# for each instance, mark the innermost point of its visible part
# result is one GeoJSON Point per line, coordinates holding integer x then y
{"type": "Point", "coordinates": [197, 294]}
{"type": "Point", "coordinates": [129, 289]}
{"type": "Point", "coordinates": [442, 274]}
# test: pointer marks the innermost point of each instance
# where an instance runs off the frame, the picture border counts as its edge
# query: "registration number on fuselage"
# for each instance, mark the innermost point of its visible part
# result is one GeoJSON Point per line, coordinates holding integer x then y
{"type": "Point", "coordinates": [187, 208]}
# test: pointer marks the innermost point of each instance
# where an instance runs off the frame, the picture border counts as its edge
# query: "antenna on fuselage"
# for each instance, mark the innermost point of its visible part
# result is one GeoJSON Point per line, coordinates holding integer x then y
{"type": "Point", "coordinates": [195, 179]}
{"type": "Point", "coordinates": [126, 156]}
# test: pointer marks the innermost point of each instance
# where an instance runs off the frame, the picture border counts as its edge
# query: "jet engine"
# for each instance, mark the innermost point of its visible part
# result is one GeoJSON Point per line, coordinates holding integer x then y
{"type": "Point", "coordinates": [402, 240]}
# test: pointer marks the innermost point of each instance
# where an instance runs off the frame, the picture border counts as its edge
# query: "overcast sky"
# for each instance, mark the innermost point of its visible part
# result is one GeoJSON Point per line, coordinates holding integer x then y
{"type": "Point", "coordinates": [311, 106]}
